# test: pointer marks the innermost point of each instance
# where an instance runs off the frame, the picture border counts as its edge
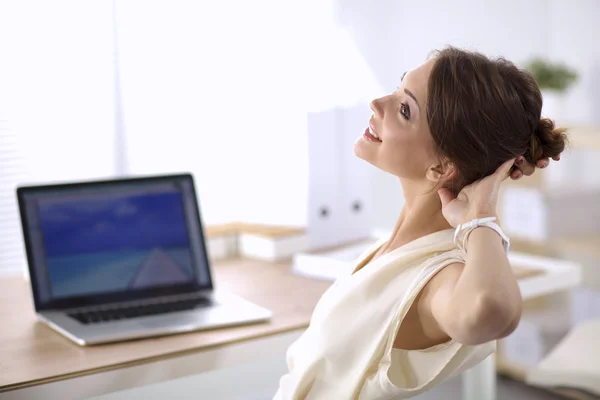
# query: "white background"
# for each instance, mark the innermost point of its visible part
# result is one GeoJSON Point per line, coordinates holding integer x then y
{"type": "Point", "coordinates": [223, 88]}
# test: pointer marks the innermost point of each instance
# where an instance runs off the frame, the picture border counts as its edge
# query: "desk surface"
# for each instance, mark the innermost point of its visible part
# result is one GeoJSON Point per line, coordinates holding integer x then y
{"type": "Point", "coordinates": [31, 353]}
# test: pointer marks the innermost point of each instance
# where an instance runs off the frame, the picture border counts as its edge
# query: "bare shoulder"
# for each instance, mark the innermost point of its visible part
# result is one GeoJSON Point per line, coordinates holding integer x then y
{"type": "Point", "coordinates": [421, 321]}
{"type": "Point", "coordinates": [444, 279]}
{"type": "Point", "coordinates": [438, 291]}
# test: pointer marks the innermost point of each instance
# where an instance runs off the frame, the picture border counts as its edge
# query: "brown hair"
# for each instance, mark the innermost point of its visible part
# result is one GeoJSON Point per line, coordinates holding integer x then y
{"type": "Point", "coordinates": [483, 112]}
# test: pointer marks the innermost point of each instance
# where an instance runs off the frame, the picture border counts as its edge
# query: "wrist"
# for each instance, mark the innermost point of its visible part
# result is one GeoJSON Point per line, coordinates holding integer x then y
{"type": "Point", "coordinates": [463, 232]}
{"type": "Point", "coordinates": [480, 215]}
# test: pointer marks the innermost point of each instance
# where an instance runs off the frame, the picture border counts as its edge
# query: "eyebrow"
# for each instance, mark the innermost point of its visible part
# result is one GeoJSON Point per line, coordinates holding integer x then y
{"type": "Point", "coordinates": [408, 92]}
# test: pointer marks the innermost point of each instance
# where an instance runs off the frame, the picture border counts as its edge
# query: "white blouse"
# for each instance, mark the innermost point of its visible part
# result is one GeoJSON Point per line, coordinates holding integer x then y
{"type": "Point", "coordinates": [347, 351]}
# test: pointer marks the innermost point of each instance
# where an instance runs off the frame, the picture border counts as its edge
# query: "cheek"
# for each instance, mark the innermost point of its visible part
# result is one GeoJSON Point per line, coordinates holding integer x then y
{"type": "Point", "coordinates": [408, 154]}
{"type": "Point", "coordinates": [404, 154]}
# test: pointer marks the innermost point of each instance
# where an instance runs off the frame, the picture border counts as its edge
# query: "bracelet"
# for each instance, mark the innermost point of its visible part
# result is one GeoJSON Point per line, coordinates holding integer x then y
{"type": "Point", "coordinates": [462, 232]}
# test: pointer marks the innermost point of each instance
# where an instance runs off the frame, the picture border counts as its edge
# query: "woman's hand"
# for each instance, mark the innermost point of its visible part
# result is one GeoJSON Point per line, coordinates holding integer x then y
{"type": "Point", "coordinates": [522, 167]}
{"type": "Point", "coordinates": [477, 200]}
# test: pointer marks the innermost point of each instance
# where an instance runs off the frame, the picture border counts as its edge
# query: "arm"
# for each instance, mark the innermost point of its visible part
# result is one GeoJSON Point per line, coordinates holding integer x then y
{"type": "Point", "coordinates": [480, 300]}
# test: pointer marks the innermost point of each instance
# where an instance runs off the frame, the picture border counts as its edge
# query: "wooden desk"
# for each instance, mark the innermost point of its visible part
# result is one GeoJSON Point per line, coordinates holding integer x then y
{"type": "Point", "coordinates": [32, 354]}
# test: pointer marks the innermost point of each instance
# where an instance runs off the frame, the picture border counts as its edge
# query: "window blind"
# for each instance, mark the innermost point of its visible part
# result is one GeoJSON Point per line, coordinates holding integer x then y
{"type": "Point", "coordinates": [12, 173]}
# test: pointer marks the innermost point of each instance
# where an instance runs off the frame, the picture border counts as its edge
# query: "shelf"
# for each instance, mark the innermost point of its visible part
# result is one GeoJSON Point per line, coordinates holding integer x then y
{"type": "Point", "coordinates": [240, 228]}
{"type": "Point", "coordinates": [265, 242]}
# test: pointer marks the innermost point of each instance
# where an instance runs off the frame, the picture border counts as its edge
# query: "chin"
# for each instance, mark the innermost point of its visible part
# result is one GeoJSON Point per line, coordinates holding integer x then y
{"type": "Point", "coordinates": [363, 153]}
{"type": "Point", "coordinates": [359, 150]}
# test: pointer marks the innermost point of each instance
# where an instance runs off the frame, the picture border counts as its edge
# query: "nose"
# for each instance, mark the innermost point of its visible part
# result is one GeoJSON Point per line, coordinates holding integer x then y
{"type": "Point", "coordinates": [377, 107]}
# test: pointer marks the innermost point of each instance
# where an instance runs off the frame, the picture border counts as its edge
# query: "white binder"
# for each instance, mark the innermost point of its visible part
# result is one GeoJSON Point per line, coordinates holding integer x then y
{"type": "Point", "coordinates": [339, 204]}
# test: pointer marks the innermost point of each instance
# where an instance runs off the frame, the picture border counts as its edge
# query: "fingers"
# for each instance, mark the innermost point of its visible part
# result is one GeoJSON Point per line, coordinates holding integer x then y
{"type": "Point", "coordinates": [524, 166]}
{"type": "Point", "coordinates": [503, 171]}
{"type": "Point", "coordinates": [445, 196]}
{"type": "Point", "coordinates": [516, 174]}
{"type": "Point", "coordinates": [543, 163]}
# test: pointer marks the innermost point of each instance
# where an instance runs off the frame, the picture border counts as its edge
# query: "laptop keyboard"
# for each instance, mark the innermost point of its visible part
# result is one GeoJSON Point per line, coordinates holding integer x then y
{"type": "Point", "coordinates": [139, 310]}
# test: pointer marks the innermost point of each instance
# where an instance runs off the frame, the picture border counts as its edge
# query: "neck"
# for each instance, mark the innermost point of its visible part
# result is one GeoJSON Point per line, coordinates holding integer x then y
{"type": "Point", "coordinates": [420, 216]}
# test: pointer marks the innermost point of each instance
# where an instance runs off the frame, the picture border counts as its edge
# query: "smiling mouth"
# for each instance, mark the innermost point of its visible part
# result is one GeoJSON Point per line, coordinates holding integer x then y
{"type": "Point", "coordinates": [371, 136]}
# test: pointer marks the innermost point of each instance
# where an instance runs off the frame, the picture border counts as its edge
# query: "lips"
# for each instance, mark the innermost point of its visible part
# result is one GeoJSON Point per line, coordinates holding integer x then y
{"type": "Point", "coordinates": [370, 137]}
{"type": "Point", "coordinates": [373, 132]}
{"type": "Point", "coordinates": [370, 133]}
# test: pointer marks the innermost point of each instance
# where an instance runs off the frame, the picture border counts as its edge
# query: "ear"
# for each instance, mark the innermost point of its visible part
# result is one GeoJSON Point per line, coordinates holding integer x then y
{"type": "Point", "coordinates": [442, 172]}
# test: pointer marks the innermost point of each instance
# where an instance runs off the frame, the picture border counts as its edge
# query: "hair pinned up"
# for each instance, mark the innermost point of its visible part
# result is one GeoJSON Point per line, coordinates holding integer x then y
{"type": "Point", "coordinates": [546, 141]}
{"type": "Point", "coordinates": [483, 112]}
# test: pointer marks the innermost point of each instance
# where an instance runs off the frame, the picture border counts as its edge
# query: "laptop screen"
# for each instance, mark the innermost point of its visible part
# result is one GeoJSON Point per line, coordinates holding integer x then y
{"type": "Point", "coordinates": [113, 239]}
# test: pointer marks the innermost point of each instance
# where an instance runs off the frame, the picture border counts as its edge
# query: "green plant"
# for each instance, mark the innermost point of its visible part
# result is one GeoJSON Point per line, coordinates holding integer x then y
{"type": "Point", "coordinates": [551, 76]}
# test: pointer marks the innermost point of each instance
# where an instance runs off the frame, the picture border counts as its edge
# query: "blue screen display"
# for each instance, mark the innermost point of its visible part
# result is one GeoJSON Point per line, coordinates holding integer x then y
{"type": "Point", "coordinates": [115, 242]}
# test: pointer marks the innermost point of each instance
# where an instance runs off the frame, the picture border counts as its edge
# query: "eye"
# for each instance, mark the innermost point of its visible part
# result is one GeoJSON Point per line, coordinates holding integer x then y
{"type": "Point", "coordinates": [405, 110]}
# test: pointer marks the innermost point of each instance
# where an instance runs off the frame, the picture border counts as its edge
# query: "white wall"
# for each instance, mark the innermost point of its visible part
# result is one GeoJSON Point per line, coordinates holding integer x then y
{"type": "Point", "coordinates": [207, 88]}
{"type": "Point", "coordinates": [57, 71]}
{"type": "Point", "coordinates": [574, 33]}
{"type": "Point", "coordinates": [223, 81]}
{"type": "Point", "coordinates": [56, 102]}
{"type": "Point", "coordinates": [574, 39]}
{"type": "Point", "coordinates": [394, 36]}
{"type": "Point", "coordinates": [229, 83]}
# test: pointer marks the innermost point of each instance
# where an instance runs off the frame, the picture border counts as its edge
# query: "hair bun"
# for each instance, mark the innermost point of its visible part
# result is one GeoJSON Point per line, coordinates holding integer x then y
{"type": "Point", "coordinates": [547, 141]}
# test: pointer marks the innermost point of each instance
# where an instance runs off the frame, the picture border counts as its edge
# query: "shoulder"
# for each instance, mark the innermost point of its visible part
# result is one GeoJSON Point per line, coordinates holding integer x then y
{"type": "Point", "coordinates": [448, 274]}
{"type": "Point", "coordinates": [427, 303]}
{"type": "Point", "coordinates": [441, 284]}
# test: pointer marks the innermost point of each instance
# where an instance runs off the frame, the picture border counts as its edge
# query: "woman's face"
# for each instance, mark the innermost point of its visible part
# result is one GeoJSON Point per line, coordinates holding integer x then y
{"type": "Point", "coordinates": [403, 145]}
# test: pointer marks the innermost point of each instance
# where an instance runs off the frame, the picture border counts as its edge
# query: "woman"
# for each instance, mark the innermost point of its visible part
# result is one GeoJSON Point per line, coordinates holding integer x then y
{"type": "Point", "coordinates": [430, 301]}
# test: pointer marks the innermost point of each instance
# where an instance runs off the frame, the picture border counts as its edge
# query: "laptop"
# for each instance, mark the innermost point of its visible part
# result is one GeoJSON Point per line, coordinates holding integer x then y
{"type": "Point", "coordinates": [123, 259]}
